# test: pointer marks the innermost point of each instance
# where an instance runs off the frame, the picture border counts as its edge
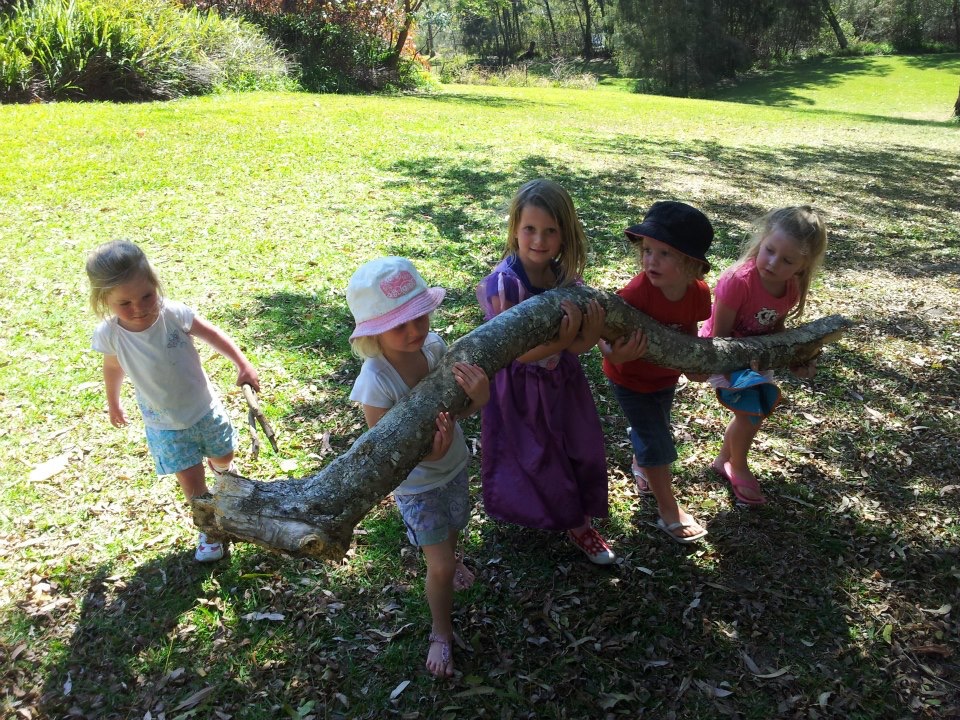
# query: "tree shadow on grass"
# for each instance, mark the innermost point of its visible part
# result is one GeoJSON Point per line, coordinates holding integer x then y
{"type": "Point", "coordinates": [934, 61]}
{"type": "Point", "coordinates": [809, 585]}
{"type": "Point", "coordinates": [884, 207]}
{"type": "Point", "coordinates": [490, 101]}
{"type": "Point", "coordinates": [125, 622]}
{"type": "Point", "coordinates": [779, 87]}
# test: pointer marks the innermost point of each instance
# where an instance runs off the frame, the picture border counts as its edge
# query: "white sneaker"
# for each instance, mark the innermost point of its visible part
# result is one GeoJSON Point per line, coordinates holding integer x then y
{"type": "Point", "coordinates": [208, 551]}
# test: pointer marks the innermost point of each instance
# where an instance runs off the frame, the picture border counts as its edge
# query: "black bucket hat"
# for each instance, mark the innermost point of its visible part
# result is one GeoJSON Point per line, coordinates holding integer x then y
{"type": "Point", "coordinates": [681, 226]}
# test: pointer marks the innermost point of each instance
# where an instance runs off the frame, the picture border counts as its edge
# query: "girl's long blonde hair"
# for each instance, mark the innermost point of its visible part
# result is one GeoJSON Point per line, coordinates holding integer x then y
{"type": "Point", "coordinates": [805, 225]}
{"type": "Point", "coordinates": [113, 264]}
{"type": "Point", "coordinates": [554, 200]}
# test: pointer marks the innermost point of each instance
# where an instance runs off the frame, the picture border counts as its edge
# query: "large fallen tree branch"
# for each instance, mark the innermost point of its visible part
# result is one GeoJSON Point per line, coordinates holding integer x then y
{"type": "Point", "coordinates": [315, 515]}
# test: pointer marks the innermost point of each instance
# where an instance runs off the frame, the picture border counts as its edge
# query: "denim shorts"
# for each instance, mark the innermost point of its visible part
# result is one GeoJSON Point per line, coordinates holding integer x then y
{"type": "Point", "coordinates": [649, 416]}
{"type": "Point", "coordinates": [431, 516]}
{"type": "Point", "coordinates": [212, 436]}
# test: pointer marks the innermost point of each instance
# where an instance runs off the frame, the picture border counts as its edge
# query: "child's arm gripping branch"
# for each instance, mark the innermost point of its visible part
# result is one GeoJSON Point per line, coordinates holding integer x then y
{"type": "Point", "coordinates": [566, 335]}
{"type": "Point", "coordinates": [625, 348]}
{"type": "Point", "coordinates": [442, 439]}
{"type": "Point", "coordinates": [112, 380]}
{"type": "Point", "coordinates": [223, 344]}
{"type": "Point", "coordinates": [475, 384]}
{"type": "Point", "coordinates": [724, 318]}
{"type": "Point", "coordinates": [590, 328]}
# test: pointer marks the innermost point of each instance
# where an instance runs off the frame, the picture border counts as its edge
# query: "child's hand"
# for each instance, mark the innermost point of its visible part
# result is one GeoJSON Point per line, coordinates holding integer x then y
{"type": "Point", "coordinates": [807, 370]}
{"type": "Point", "coordinates": [247, 375]}
{"type": "Point", "coordinates": [625, 348]}
{"type": "Point", "coordinates": [117, 417]}
{"type": "Point", "coordinates": [474, 382]}
{"type": "Point", "coordinates": [592, 325]}
{"type": "Point", "coordinates": [570, 324]}
{"type": "Point", "coordinates": [443, 438]}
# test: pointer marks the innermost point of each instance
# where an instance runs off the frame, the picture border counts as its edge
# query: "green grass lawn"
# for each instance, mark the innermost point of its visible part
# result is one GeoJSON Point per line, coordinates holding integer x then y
{"type": "Point", "coordinates": [838, 599]}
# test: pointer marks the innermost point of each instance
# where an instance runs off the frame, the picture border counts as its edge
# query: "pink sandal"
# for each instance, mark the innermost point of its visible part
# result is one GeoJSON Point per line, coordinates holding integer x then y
{"type": "Point", "coordinates": [738, 484]}
{"type": "Point", "coordinates": [443, 670]}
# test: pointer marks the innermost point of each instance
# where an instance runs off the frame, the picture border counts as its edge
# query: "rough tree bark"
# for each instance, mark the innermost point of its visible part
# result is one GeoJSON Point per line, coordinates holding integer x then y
{"type": "Point", "coordinates": [315, 515]}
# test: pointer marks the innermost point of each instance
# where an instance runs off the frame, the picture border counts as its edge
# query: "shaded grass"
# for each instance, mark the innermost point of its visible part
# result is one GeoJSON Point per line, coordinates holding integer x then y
{"type": "Point", "coordinates": [256, 210]}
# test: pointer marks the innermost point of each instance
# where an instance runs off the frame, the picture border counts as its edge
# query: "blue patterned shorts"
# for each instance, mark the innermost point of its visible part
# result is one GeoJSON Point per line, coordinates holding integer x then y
{"type": "Point", "coordinates": [213, 435]}
{"type": "Point", "coordinates": [431, 516]}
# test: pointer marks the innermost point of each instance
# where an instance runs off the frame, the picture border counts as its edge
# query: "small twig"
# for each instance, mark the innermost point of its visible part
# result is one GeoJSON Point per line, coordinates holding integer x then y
{"type": "Point", "coordinates": [252, 422]}
{"type": "Point", "coordinates": [256, 412]}
{"type": "Point", "coordinates": [928, 671]}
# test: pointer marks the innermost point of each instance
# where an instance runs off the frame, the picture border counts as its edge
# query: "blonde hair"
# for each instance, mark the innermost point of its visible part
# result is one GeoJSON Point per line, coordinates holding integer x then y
{"type": "Point", "coordinates": [805, 226]}
{"type": "Point", "coordinates": [693, 268]}
{"type": "Point", "coordinates": [556, 202]}
{"type": "Point", "coordinates": [113, 264]}
{"type": "Point", "coordinates": [366, 346]}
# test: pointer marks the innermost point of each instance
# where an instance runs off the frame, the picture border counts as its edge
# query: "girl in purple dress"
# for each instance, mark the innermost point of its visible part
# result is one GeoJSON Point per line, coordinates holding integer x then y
{"type": "Point", "coordinates": [543, 463]}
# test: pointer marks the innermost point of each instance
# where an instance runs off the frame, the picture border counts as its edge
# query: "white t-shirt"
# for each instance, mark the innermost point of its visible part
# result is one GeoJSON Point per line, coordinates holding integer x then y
{"type": "Point", "coordinates": [172, 389]}
{"type": "Point", "coordinates": [380, 385]}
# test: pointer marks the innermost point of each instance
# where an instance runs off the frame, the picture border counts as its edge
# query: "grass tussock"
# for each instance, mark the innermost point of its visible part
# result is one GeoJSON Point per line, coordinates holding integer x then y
{"type": "Point", "coordinates": [129, 50]}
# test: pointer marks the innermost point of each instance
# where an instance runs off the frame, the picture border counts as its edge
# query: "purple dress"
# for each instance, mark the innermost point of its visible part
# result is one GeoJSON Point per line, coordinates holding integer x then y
{"type": "Point", "coordinates": [543, 463]}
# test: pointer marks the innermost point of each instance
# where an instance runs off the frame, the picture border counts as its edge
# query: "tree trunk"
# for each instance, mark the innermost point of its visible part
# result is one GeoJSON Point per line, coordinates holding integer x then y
{"type": "Point", "coordinates": [834, 23]}
{"type": "Point", "coordinates": [553, 28]}
{"type": "Point", "coordinates": [955, 10]}
{"type": "Point", "coordinates": [956, 106]}
{"type": "Point", "coordinates": [315, 515]}
{"type": "Point", "coordinates": [587, 31]}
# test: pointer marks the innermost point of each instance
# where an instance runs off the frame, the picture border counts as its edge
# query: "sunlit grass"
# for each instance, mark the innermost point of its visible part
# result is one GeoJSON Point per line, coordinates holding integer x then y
{"type": "Point", "coordinates": [257, 208]}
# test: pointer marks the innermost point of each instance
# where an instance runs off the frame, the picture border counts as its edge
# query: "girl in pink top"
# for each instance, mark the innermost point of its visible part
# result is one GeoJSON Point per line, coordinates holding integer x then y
{"type": "Point", "coordinates": [766, 286]}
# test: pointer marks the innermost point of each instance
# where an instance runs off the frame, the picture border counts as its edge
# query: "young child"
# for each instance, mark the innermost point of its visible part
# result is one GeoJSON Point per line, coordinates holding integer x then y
{"type": "Point", "coordinates": [755, 296]}
{"type": "Point", "coordinates": [543, 462]}
{"type": "Point", "coordinates": [391, 304]}
{"type": "Point", "coordinates": [672, 242]}
{"type": "Point", "coordinates": [150, 338]}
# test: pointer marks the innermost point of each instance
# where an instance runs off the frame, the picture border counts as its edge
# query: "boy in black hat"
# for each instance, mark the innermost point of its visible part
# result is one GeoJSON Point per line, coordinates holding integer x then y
{"type": "Point", "coordinates": [671, 242]}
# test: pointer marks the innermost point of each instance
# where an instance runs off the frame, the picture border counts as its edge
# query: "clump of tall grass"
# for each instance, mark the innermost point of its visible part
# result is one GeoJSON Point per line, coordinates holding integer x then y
{"type": "Point", "coordinates": [129, 50]}
{"type": "Point", "coordinates": [560, 73]}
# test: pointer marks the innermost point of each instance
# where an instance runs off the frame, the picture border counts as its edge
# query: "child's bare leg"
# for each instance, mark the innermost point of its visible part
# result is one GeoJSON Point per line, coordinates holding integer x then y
{"type": "Point", "coordinates": [221, 464]}
{"type": "Point", "coordinates": [660, 481]}
{"type": "Point", "coordinates": [463, 577]}
{"type": "Point", "coordinates": [441, 566]}
{"type": "Point", "coordinates": [193, 481]}
{"type": "Point", "coordinates": [737, 441]}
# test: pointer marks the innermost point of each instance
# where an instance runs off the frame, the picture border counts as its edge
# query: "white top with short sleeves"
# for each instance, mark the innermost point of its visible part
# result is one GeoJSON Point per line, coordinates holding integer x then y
{"type": "Point", "coordinates": [172, 389]}
{"type": "Point", "coordinates": [380, 385]}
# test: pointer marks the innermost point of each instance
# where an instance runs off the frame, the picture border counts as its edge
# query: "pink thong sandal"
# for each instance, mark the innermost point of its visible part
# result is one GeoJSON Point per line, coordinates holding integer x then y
{"type": "Point", "coordinates": [443, 669]}
{"type": "Point", "coordinates": [738, 484]}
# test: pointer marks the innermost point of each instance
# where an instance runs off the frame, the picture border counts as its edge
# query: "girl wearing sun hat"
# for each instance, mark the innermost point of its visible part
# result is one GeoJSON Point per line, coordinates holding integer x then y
{"type": "Point", "coordinates": [391, 304]}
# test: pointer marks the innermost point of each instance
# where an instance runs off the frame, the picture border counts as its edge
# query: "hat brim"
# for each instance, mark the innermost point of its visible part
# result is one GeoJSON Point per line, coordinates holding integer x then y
{"type": "Point", "coordinates": [426, 302]}
{"type": "Point", "coordinates": [656, 231]}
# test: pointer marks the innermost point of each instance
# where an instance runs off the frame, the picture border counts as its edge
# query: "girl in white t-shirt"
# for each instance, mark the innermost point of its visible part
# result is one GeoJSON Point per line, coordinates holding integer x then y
{"type": "Point", "coordinates": [150, 339]}
{"type": "Point", "coordinates": [391, 304]}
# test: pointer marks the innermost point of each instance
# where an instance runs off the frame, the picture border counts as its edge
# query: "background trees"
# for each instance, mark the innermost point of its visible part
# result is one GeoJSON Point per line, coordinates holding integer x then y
{"type": "Point", "coordinates": [683, 46]}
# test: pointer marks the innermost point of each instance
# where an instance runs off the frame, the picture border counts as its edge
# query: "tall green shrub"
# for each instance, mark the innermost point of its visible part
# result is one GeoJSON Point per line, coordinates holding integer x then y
{"type": "Point", "coordinates": [126, 50]}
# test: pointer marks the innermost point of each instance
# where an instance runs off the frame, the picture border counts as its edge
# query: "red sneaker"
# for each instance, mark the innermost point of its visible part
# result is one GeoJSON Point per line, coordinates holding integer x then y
{"type": "Point", "coordinates": [593, 546]}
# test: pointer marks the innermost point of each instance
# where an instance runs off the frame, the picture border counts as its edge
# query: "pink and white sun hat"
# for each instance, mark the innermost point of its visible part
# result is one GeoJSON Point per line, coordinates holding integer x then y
{"type": "Point", "coordinates": [387, 292]}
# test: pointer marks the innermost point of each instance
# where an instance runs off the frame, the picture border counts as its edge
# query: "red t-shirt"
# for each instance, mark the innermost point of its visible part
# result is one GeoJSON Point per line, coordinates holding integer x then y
{"type": "Point", "coordinates": [681, 315]}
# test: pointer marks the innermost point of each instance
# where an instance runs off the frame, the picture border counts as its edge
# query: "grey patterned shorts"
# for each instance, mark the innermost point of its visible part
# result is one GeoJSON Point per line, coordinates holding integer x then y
{"type": "Point", "coordinates": [431, 516]}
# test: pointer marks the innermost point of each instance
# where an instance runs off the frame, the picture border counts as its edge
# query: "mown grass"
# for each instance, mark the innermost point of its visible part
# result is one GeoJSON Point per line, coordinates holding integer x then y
{"type": "Point", "coordinates": [838, 599]}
